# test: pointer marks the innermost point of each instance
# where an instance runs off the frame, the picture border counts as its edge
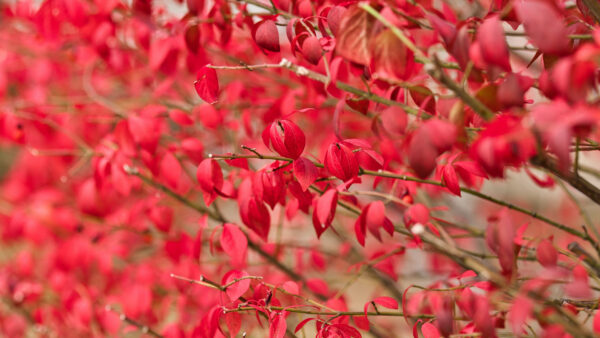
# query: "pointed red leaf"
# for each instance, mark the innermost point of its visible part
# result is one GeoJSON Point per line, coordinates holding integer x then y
{"type": "Point", "coordinates": [305, 172]}
{"type": "Point", "coordinates": [451, 179]}
{"type": "Point", "coordinates": [207, 85]}
{"type": "Point", "coordinates": [494, 49]}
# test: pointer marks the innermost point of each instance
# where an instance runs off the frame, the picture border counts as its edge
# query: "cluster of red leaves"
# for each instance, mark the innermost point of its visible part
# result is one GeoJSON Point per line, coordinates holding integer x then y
{"type": "Point", "coordinates": [160, 165]}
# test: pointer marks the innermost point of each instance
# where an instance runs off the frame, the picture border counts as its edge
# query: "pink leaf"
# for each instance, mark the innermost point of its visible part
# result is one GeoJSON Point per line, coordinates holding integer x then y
{"type": "Point", "coordinates": [547, 254]}
{"type": "Point", "coordinates": [430, 331]}
{"type": "Point", "coordinates": [235, 244]}
{"type": "Point", "coordinates": [544, 26]}
{"type": "Point", "coordinates": [237, 289]}
{"type": "Point", "coordinates": [520, 311]}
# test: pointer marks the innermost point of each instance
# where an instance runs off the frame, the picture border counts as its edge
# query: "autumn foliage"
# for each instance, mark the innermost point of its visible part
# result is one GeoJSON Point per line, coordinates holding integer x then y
{"type": "Point", "coordinates": [295, 168]}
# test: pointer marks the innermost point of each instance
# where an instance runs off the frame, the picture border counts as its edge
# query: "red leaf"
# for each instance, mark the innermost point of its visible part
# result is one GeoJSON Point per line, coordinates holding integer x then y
{"type": "Point", "coordinates": [235, 244]}
{"type": "Point", "coordinates": [373, 218]}
{"type": "Point", "coordinates": [360, 229]}
{"type": "Point", "coordinates": [519, 312]}
{"type": "Point", "coordinates": [318, 286]}
{"type": "Point", "coordinates": [267, 36]}
{"type": "Point", "coordinates": [305, 172]}
{"type": "Point", "coordinates": [162, 216]}
{"type": "Point", "coordinates": [278, 325]}
{"type": "Point", "coordinates": [237, 289]}
{"type": "Point", "coordinates": [302, 323]}
{"type": "Point", "coordinates": [451, 179]}
{"type": "Point", "coordinates": [341, 162]}
{"type": "Point", "coordinates": [387, 302]}
{"type": "Point", "coordinates": [417, 213]}
{"type": "Point", "coordinates": [430, 331]}
{"type": "Point", "coordinates": [210, 178]}
{"type": "Point", "coordinates": [470, 167]}
{"type": "Point", "coordinates": [362, 322]}
{"type": "Point", "coordinates": [580, 286]}
{"type": "Point", "coordinates": [311, 49]}
{"type": "Point", "coordinates": [233, 320]}
{"type": "Point", "coordinates": [256, 216]}
{"type": "Point", "coordinates": [352, 42]}
{"type": "Point", "coordinates": [597, 322]}
{"type": "Point", "coordinates": [195, 6]}
{"type": "Point", "coordinates": [494, 49]}
{"type": "Point", "coordinates": [431, 139]}
{"type": "Point", "coordinates": [180, 117]}
{"type": "Point", "coordinates": [324, 211]}
{"type": "Point", "coordinates": [193, 148]}
{"type": "Point", "coordinates": [207, 85]}
{"type": "Point", "coordinates": [467, 274]}
{"type": "Point", "coordinates": [404, 303]}
{"type": "Point", "coordinates": [144, 131]}
{"type": "Point", "coordinates": [544, 26]}
{"type": "Point", "coordinates": [394, 120]}
{"type": "Point", "coordinates": [360, 105]}
{"type": "Point", "coordinates": [170, 170]}
{"type": "Point", "coordinates": [192, 38]}
{"type": "Point", "coordinates": [285, 137]}
{"type": "Point", "coordinates": [345, 331]}
{"type": "Point", "coordinates": [291, 287]}
{"type": "Point", "coordinates": [391, 59]}
{"type": "Point", "coordinates": [334, 18]}
{"type": "Point", "coordinates": [546, 183]}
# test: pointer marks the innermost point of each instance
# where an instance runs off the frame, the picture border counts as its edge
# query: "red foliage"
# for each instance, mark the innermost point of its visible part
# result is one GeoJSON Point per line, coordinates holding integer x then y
{"type": "Point", "coordinates": [161, 163]}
